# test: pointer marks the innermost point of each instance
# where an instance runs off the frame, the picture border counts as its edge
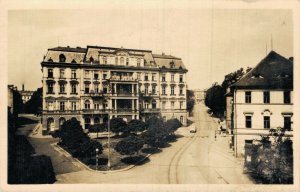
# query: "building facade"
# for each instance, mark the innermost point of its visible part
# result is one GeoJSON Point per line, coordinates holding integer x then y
{"type": "Point", "coordinates": [96, 83]}
{"type": "Point", "coordinates": [260, 100]}
{"type": "Point", "coordinates": [199, 95]}
{"type": "Point", "coordinates": [26, 94]}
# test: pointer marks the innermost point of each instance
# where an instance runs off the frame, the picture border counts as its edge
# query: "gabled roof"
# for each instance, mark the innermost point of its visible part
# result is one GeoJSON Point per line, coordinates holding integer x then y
{"type": "Point", "coordinates": [273, 72]}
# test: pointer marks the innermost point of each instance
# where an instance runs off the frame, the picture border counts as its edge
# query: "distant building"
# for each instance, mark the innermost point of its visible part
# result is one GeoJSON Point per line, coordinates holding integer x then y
{"type": "Point", "coordinates": [26, 94]}
{"type": "Point", "coordinates": [10, 98]}
{"type": "Point", "coordinates": [94, 83]}
{"type": "Point", "coordinates": [199, 95]}
{"type": "Point", "coordinates": [260, 100]}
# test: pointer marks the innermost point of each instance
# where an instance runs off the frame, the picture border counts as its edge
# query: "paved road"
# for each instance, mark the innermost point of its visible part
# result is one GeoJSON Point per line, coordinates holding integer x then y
{"type": "Point", "coordinates": [193, 159]}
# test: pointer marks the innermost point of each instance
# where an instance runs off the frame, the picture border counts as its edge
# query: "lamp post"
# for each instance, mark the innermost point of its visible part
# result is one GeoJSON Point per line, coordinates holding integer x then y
{"type": "Point", "coordinates": [108, 144]}
{"type": "Point", "coordinates": [97, 157]}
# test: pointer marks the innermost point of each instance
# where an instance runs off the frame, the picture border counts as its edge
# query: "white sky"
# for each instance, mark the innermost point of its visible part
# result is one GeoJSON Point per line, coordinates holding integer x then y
{"type": "Point", "coordinates": [211, 43]}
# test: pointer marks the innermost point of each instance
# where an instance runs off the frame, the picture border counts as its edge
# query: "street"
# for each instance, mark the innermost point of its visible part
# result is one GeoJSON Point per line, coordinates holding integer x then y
{"type": "Point", "coordinates": [195, 158]}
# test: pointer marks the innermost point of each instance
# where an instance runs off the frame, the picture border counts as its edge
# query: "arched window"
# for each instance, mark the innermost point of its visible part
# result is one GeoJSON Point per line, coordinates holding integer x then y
{"type": "Point", "coordinates": [116, 60]}
{"type": "Point", "coordinates": [122, 61]}
{"type": "Point", "coordinates": [153, 104]}
{"type": "Point", "coordinates": [127, 61]}
{"type": "Point", "coordinates": [62, 58]}
{"type": "Point", "coordinates": [97, 121]}
{"type": "Point", "coordinates": [50, 124]}
{"type": "Point", "coordinates": [73, 61]}
{"type": "Point", "coordinates": [87, 104]}
{"type": "Point", "coordinates": [61, 121]}
{"type": "Point", "coordinates": [181, 119]}
{"type": "Point", "coordinates": [50, 59]}
{"type": "Point", "coordinates": [87, 123]}
{"type": "Point", "coordinates": [138, 62]}
{"type": "Point", "coordinates": [91, 59]}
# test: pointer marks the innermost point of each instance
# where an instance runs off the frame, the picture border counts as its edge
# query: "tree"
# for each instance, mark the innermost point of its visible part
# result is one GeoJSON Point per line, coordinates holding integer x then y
{"type": "Point", "coordinates": [34, 105]}
{"type": "Point", "coordinates": [215, 99]}
{"type": "Point", "coordinates": [88, 149]}
{"type": "Point", "coordinates": [72, 135]}
{"type": "Point", "coordinates": [117, 125]}
{"type": "Point", "coordinates": [172, 125]}
{"type": "Point", "coordinates": [135, 126]}
{"type": "Point", "coordinates": [233, 77]}
{"type": "Point", "coordinates": [190, 101]}
{"type": "Point", "coordinates": [129, 146]}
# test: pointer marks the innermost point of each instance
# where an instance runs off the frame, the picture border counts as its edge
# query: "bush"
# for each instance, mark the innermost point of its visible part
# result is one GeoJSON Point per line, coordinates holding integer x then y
{"type": "Point", "coordinates": [117, 125]}
{"type": "Point", "coordinates": [135, 126]}
{"type": "Point", "coordinates": [129, 146]}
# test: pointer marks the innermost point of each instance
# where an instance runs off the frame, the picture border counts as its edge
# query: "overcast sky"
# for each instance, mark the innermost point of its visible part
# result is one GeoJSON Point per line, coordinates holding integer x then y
{"type": "Point", "coordinates": [211, 42]}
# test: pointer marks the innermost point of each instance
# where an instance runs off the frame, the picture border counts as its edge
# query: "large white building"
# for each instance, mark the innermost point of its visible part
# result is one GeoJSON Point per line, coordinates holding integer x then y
{"type": "Point", "coordinates": [261, 100]}
{"type": "Point", "coordinates": [94, 83]}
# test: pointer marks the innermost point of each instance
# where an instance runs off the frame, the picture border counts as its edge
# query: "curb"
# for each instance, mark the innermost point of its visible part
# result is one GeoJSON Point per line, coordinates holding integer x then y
{"type": "Point", "coordinates": [68, 155]}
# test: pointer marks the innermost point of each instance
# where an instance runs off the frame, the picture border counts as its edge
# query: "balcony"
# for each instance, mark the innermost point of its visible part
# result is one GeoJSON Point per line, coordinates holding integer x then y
{"type": "Point", "coordinates": [153, 110]}
{"type": "Point", "coordinates": [95, 111]}
{"type": "Point", "coordinates": [125, 110]}
{"type": "Point", "coordinates": [61, 111]}
{"type": "Point", "coordinates": [122, 78]}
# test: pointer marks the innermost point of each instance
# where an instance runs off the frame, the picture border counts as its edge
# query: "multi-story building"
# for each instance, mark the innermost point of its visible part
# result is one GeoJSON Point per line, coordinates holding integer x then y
{"type": "Point", "coordinates": [199, 95]}
{"type": "Point", "coordinates": [262, 99]}
{"type": "Point", "coordinates": [26, 94]}
{"type": "Point", "coordinates": [96, 83]}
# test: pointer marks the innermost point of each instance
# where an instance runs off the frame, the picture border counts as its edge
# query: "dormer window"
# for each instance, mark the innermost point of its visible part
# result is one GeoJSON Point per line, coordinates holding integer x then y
{"type": "Point", "coordinates": [91, 59]}
{"type": "Point", "coordinates": [138, 62]}
{"type": "Point", "coordinates": [116, 60]}
{"type": "Point", "coordinates": [62, 58]}
{"type": "Point", "coordinates": [104, 59]}
{"type": "Point", "coordinates": [172, 64]}
{"type": "Point", "coordinates": [122, 60]}
{"type": "Point", "coordinates": [50, 60]}
{"type": "Point", "coordinates": [127, 61]}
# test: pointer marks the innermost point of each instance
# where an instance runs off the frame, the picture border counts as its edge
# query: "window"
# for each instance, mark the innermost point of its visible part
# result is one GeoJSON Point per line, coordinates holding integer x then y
{"type": "Point", "coordinates": [146, 105]}
{"type": "Point", "coordinates": [248, 96]}
{"type": "Point", "coordinates": [153, 77]}
{"type": "Point", "coordinates": [73, 105]}
{"type": "Point", "coordinates": [146, 77]}
{"type": "Point", "coordinates": [181, 104]}
{"type": "Point", "coordinates": [287, 97]}
{"type": "Point", "coordinates": [153, 89]}
{"type": "Point", "coordinates": [146, 89]}
{"type": "Point", "coordinates": [122, 60]}
{"type": "Point", "coordinates": [266, 122]}
{"type": "Point", "coordinates": [91, 59]}
{"type": "Point", "coordinates": [62, 88]}
{"type": "Point", "coordinates": [180, 91]}
{"type": "Point", "coordinates": [104, 75]}
{"type": "Point", "coordinates": [97, 121]}
{"type": "Point", "coordinates": [153, 104]}
{"type": "Point", "coordinates": [138, 62]}
{"type": "Point", "coordinates": [73, 74]}
{"type": "Point", "coordinates": [172, 104]}
{"type": "Point", "coordinates": [138, 76]}
{"type": "Point", "coordinates": [50, 106]}
{"type": "Point", "coordinates": [50, 73]}
{"type": "Point", "coordinates": [181, 78]}
{"type": "Point", "coordinates": [116, 60]}
{"type": "Point", "coordinates": [87, 123]}
{"type": "Point", "coordinates": [163, 78]}
{"type": "Point", "coordinates": [96, 86]}
{"type": "Point", "coordinates": [127, 61]}
{"type": "Point", "coordinates": [50, 88]}
{"type": "Point", "coordinates": [73, 88]}
{"type": "Point", "coordinates": [61, 122]}
{"type": "Point", "coordinates": [87, 104]}
{"type": "Point", "coordinates": [104, 59]}
{"type": "Point", "coordinates": [62, 58]}
{"type": "Point", "coordinates": [86, 74]}
{"type": "Point", "coordinates": [61, 73]}
{"type": "Point", "coordinates": [287, 123]}
{"type": "Point", "coordinates": [62, 106]}
{"type": "Point", "coordinates": [96, 75]}
{"type": "Point", "coordinates": [96, 106]}
{"type": "Point", "coordinates": [172, 90]}
{"type": "Point", "coordinates": [248, 121]}
{"type": "Point", "coordinates": [86, 88]}
{"type": "Point", "coordinates": [266, 97]}
{"type": "Point", "coordinates": [163, 90]}
{"type": "Point", "coordinates": [172, 77]}
{"type": "Point", "coordinates": [181, 119]}
{"type": "Point", "coordinates": [163, 104]}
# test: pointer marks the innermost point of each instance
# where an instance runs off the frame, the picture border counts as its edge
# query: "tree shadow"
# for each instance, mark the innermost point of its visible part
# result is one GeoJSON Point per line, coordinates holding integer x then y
{"type": "Point", "coordinates": [135, 160]}
{"type": "Point", "coordinates": [151, 150]}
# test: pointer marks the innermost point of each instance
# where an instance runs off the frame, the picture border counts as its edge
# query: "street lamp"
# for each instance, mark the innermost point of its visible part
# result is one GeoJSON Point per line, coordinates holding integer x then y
{"type": "Point", "coordinates": [97, 157]}
{"type": "Point", "coordinates": [108, 144]}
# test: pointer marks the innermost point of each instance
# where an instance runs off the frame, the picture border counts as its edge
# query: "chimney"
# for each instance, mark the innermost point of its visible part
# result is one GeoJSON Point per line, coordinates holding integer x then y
{"type": "Point", "coordinates": [23, 87]}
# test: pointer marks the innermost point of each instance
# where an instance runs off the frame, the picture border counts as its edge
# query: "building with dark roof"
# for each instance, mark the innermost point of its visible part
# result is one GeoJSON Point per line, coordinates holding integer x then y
{"type": "Point", "coordinates": [94, 83]}
{"type": "Point", "coordinates": [260, 100]}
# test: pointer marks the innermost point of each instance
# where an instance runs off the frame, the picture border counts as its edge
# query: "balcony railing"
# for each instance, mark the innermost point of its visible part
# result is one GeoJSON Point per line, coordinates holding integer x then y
{"type": "Point", "coordinates": [122, 78]}
{"type": "Point", "coordinates": [62, 111]}
{"type": "Point", "coordinates": [152, 110]}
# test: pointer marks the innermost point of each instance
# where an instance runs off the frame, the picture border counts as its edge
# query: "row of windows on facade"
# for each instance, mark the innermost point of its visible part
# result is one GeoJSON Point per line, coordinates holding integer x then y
{"type": "Point", "coordinates": [97, 106]}
{"type": "Point", "coordinates": [62, 59]}
{"type": "Point", "coordinates": [267, 122]}
{"type": "Point", "coordinates": [96, 75]}
{"type": "Point", "coordinates": [87, 89]}
{"type": "Point", "coordinates": [266, 97]}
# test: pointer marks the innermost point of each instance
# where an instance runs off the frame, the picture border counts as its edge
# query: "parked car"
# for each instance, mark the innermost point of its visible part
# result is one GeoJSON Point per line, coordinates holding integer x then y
{"type": "Point", "coordinates": [193, 129]}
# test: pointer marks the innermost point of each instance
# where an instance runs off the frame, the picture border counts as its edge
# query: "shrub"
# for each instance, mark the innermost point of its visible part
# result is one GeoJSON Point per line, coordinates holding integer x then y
{"type": "Point", "coordinates": [129, 146]}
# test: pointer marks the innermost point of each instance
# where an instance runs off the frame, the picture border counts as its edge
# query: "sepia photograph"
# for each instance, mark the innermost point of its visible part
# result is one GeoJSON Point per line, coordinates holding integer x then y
{"type": "Point", "coordinates": [151, 92]}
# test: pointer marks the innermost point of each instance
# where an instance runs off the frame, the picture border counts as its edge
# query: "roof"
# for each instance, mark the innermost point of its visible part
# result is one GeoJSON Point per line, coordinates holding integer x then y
{"type": "Point", "coordinates": [68, 49]}
{"type": "Point", "coordinates": [273, 72]}
{"type": "Point", "coordinates": [165, 61]}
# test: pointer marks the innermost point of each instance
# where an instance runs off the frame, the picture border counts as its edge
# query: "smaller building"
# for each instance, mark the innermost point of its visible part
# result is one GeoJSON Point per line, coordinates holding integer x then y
{"type": "Point", "coordinates": [199, 95]}
{"type": "Point", "coordinates": [26, 94]}
{"type": "Point", "coordinates": [262, 99]}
